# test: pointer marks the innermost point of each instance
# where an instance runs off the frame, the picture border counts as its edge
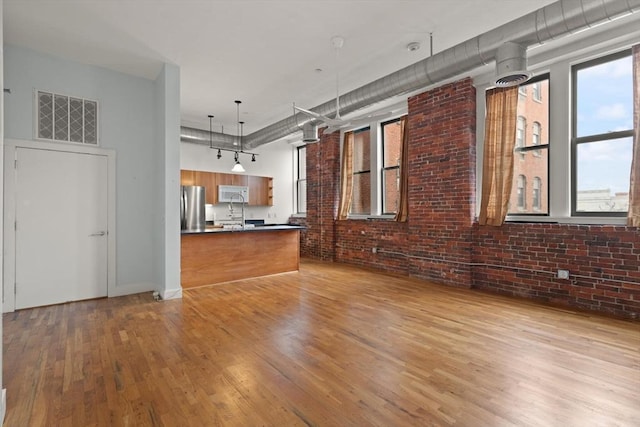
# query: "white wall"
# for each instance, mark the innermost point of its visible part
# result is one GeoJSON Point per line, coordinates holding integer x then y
{"type": "Point", "coordinates": [274, 160]}
{"type": "Point", "coordinates": [168, 184]}
{"type": "Point", "coordinates": [128, 124]}
{"type": "Point", "coordinates": [3, 403]}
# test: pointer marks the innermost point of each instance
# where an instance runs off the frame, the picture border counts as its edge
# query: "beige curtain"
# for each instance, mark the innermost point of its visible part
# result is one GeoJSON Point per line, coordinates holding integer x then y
{"type": "Point", "coordinates": [346, 177]}
{"type": "Point", "coordinates": [497, 165]}
{"type": "Point", "coordinates": [633, 218]}
{"type": "Point", "coordinates": [403, 200]}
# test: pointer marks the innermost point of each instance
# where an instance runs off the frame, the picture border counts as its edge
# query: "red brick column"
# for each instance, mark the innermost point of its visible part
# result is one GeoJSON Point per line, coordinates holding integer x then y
{"type": "Point", "coordinates": [442, 182]}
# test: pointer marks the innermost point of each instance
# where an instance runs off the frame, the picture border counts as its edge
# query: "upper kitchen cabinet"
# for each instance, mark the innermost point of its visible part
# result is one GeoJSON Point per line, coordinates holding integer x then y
{"type": "Point", "coordinates": [260, 190]}
{"type": "Point", "coordinates": [187, 177]}
{"type": "Point", "coordinates": [260, 187]}
{"type": "Point", "coordinates": [208, 181]}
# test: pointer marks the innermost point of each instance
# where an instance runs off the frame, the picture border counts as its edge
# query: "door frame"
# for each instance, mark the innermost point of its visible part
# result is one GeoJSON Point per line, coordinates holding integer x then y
{"type": "Point", "coordinates": [9, 213]}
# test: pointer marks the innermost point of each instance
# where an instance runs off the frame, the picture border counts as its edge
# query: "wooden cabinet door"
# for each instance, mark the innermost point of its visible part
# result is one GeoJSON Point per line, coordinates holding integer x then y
{"type": "Point", "coordinates": [224, 178]}
{"type": "Point", "coordinates": [255, 190]}
{"type": "Point", "coordinates": [187, 177]}
{"type": "Point", "coordinates": [208, 181]}
{"type": "Point", "coordinates": [240, 180]}
{"type": "Point", "coordinates": [260, 191]}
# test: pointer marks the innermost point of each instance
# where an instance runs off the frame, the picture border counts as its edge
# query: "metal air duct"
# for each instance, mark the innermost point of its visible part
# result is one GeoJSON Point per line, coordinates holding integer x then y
{"type": "Point", "coordinates": [548, 23]}
{"type": "Point", "coordinates": [511, 65]}
{"type": "Point", "coordinates": [310, 133]}
{"type": "Point", "coordinates": [198, 136]}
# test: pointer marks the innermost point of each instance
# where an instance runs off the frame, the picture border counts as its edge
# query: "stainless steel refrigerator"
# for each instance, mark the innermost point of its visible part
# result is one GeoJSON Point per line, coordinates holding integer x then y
{"type": "Point", "coordinates": [192, 212]}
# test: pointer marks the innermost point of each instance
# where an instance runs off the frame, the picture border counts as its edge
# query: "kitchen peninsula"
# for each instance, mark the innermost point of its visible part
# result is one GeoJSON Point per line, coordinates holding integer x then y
{"type": "Point", "coordinates": [221, 255]}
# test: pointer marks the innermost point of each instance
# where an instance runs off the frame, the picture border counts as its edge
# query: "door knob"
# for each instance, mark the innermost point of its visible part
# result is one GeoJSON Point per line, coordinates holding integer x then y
{"type": "Point", "coordinates": [99, 233]}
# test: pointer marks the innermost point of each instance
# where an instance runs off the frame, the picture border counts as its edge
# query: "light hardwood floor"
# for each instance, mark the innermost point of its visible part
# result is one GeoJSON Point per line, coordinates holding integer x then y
{"type": "Point", "coordinates": [331, 345]}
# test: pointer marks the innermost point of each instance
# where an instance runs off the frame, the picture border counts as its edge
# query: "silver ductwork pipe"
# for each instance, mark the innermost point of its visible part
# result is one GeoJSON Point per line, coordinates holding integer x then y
{"type": "Point", "coordinates": [548, 23]}
{"type": "Point", "coordinates": [199, 136]}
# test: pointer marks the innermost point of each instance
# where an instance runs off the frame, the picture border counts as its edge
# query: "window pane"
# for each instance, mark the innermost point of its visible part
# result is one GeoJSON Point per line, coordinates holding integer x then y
{"type": "Point", "coordinates": [302, 162]}
{"type": "Point", "coordinates": [361, 151]}
{"type": "Point", "coordinates": [529, 194]}
{"type": "Point", "coordinates": [604, 97]}
{"type": "Point", "coordinates": [603, 171]}
{"type": "Point", "coordinates": [302, 196]}
{"type": "Point", "coordinates": [392, 143]}
{"type": "Point", "coordinates": [391, 178]}
{"type": "Point", "coordinates": [361, 197]}
{"type": "Point", "coordinates": [530, 183]}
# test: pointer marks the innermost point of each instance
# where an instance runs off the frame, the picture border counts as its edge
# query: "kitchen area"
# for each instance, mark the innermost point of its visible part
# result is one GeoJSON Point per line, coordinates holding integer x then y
{"type": "Point", "coordinates": [228, 230]}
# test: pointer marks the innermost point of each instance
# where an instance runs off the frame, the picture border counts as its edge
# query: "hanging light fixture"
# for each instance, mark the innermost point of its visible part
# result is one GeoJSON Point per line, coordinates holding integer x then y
{"type": "Point", "coordinates": [237, 166]}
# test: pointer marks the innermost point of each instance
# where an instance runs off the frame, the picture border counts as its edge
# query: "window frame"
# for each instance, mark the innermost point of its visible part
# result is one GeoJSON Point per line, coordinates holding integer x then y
{"type": "Point", "coordinates": [298, 179]}
{"type": "Point", "coordinates": [557, 63]}
{"type": "Point", "coordinates": [372, 154]}
{"type": "Point", "coordinates": [400, 110]}
{"type": "Point", "coordinates": [383, 169]}
{"type": "Point", "coordinates": [536, 152]}
{"type": "Point", "coordinates": [575, 140]}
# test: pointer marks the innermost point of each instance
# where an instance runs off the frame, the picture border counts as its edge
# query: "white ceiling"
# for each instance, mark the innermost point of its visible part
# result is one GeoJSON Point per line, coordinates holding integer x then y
{"type": "Point", "coordinates": [263, 52]}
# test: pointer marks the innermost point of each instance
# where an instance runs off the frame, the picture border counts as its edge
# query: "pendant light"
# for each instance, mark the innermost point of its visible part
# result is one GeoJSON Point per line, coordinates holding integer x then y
{"type": "Point", "coordinates": [237, 167]}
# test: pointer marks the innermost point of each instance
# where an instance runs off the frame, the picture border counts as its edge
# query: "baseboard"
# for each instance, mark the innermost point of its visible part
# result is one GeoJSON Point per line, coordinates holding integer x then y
{"type": "Point", "coordinates": [171, 293]}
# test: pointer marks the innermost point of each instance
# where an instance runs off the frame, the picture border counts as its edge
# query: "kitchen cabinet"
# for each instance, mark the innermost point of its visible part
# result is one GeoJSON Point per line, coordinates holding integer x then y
{"type": "Point", "coordinates": [260, 187]}
{"type": "Point", "coordinates": [187, 177]}
{"type": "Point", "coordinates": [260, 191]}
{"type": "Point", "coordinates": [208, 181]}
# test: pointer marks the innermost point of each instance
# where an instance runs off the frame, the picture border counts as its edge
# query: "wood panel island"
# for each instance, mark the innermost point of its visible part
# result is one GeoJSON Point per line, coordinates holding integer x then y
{"type": "Point", "coordinates": [222, 255]}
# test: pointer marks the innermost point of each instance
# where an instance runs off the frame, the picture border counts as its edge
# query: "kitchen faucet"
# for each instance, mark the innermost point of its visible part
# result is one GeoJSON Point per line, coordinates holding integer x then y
{"type": "Point", "coordinates": [242, 207]}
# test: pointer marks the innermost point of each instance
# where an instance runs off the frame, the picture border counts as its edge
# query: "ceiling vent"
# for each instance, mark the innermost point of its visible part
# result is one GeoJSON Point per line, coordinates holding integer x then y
{"type": "Point", "coordinates": [511, 65]}
{"type": "Point", "coordinates": [310, 133]}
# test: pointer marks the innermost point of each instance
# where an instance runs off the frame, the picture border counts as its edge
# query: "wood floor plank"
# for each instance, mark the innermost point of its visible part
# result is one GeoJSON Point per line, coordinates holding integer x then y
{"type": "Point", "coordinates": [330, 345]}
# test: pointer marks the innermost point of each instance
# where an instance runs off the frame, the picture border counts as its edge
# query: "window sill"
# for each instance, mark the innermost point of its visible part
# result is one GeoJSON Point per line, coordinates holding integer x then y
{"type": "Point", "coordinates": [365, 217]}
{"type": "Point", "coordinates": [299, 215]}
{"type": "Point", "coordinates": [593, 220]}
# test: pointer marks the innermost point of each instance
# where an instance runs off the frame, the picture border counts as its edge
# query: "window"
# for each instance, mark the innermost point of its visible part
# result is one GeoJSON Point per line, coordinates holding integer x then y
{"type": "Point", "coordinates": [535, 168]}
{"type": "Point", "coordinates": [361, 196]}
{"type": "Point", "coordinates": [522, 90]}
{"type": "Point", "coordinates": [376, 168]}
{"type": "Point", "coordinates": [520, 135]}
{"type": "Point", "coordinates": [602, 130]}
{"type": "Point", "coordinates": [522, 192]}
{"type": "Point", "coordinates": [536, 137]}
{"type": "Point", "coordinates": [537, 184]}
{"type": "Point", "coordinates": [391, 145]}
{"type": "Point", "coordinates": [301, 180]}
{"type": "Point", "coordinates": [537, 92]}
{"type": "Point", "coordinates": [66, 118]}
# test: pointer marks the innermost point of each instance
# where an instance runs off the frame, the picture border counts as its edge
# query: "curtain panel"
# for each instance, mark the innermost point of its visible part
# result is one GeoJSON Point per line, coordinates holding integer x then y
{"type": "Point", "coordinates": [633, 218]}
{"type": "Point", "coordinates": [497, 164]}
{"type": "Point", "coordinates": [403, 188]}
{"type": "Point", "coordinates": [346, 177]}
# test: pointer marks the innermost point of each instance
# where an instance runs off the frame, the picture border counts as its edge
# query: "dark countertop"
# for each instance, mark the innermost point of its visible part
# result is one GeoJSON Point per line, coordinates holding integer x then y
{"type": "Point", "coordinates": [209, 230]}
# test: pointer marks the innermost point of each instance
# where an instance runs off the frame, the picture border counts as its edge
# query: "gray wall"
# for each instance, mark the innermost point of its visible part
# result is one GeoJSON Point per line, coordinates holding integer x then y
{"type": "Point", "coordinates": [3, 402]}
{"type": "Point", "coordinates": [128, 124]}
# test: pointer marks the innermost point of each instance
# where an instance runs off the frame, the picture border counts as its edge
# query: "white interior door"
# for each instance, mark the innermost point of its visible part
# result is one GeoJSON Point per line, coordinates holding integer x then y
{"type": "Point", "coordinates": [61, 227]}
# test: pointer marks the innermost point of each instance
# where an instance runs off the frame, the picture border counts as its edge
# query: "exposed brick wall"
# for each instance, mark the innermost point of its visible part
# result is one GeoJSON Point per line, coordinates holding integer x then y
{"type": "Point", "coordinates": [602, 260]}
{"type": "Point", "coordinates": [442, 182]}
{"type": "Point", "coordinates": [323, 186]}
{"type": "Point", "coordinates": [440, 242]}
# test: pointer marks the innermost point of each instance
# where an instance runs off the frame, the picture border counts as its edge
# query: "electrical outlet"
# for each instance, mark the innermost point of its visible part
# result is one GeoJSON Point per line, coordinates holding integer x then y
{"type": "Point", "coordinates": [374, 250]}
{"type": "Point", "coordinates": [563, 274]}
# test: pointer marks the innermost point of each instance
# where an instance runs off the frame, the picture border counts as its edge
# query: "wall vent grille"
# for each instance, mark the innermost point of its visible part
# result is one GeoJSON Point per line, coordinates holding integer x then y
{"type": "Point", "coordinates": [66, 118]}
